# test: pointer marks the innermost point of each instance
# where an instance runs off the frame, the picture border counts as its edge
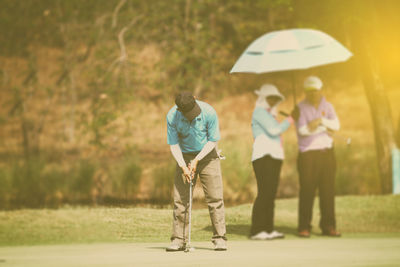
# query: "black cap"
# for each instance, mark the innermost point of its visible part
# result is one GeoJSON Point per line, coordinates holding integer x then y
{"type": "Point", "coordinates": [187, 105]}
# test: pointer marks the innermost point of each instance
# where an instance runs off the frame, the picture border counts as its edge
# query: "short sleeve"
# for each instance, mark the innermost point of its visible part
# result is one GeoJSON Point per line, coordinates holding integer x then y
{"type": "Point", "coordinates": [172, 133]}
{"type": "Point", "coordinates": [331, 114]}
{"type": "Point", "coordinates": [213, 134]}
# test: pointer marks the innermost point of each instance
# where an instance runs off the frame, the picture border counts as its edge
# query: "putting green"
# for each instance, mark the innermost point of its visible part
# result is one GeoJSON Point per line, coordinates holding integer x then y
{"type": "Point", "coordinates": [291, 252]}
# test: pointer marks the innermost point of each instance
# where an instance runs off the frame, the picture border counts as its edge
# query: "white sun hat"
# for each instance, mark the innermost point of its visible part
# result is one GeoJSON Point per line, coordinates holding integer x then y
{"type": "Point", "coordinates": [312, 83]}
{"type": "Point", "coordinates": [269, 90]}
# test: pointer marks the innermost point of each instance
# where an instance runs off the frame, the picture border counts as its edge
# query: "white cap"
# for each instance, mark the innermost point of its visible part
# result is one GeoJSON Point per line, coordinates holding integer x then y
{"type": "Point", "coordinates": [312, 83]}
{"type": "Point", "coordinates": [269, 90]}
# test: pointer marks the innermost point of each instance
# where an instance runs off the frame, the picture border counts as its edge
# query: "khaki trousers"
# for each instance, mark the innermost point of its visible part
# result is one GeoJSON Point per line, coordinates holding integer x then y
{"type": "Point", "coordinates": [209, 171]}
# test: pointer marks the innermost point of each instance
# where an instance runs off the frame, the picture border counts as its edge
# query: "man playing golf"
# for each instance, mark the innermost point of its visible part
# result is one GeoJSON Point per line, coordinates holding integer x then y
{"type": "Point", "coordinates": [192, 133]}
{"type": "Point", "coordinates": [316, 161]}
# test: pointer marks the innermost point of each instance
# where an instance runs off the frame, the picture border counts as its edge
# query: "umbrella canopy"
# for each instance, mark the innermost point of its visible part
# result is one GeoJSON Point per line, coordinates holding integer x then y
{"type": "Point", "coordinates": [292, 49]}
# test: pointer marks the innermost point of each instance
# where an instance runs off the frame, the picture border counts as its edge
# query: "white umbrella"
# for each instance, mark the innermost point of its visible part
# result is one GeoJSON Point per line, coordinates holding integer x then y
{"type": "Point", "coordinates": [292, 49]}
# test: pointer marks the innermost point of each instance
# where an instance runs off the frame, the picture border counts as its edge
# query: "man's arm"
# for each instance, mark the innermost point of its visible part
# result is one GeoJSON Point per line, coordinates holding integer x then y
{"type": "Point", "coordinates": [306, 127]}
{"type": "Point", "coordinates": [173, 141]}
{"type": "Point", "coordinates": [331, 124]}
{"type": "Point", "coordinates": [305, 131]}
{"type": "Point", "coordinates": [331, 120]}
{"type": "Point", "coordinates": [206, 149]}
{"type": "Point", "coordinates": [177, 153]}
{"type": "Point", "coordinates": [321, 125]}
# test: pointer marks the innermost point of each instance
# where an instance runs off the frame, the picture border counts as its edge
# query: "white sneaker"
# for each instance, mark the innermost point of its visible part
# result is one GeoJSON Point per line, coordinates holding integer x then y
{"type": "Point", "coordinates": [176, 245]}
{"type": "Point", "coordinates": [260, 236]}
{"type": "Point", "coordinates": [219, 244]}
{"type": "Point", "coordinates": [275, 234]}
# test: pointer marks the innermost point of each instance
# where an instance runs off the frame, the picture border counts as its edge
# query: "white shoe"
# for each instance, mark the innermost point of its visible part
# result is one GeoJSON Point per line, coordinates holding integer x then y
{"type": "Point", "coordinates": [176, 245]}
{"type": "Point", "coordinates": [260, 236]}
{"type": "Point", "coordinates": [219, 244]}
{"type": "Point", "coordinates": [275, 234]}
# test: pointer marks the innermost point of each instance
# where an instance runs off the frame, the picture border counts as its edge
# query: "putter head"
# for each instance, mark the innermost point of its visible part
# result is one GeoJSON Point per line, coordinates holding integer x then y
{"type": "Point", "coordinates": [220, 156]}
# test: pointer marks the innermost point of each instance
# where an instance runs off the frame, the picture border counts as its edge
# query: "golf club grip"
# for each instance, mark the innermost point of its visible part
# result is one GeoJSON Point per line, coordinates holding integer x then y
{"type": "Point", "coordinates": [284, 113]}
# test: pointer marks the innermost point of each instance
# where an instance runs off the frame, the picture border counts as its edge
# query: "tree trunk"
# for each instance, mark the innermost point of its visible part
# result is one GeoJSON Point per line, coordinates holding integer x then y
{"type": "Point", "coordinates": [380, 110]}
{"type": "Point", "coordinates": [72, 116]}
{"type": "Point", "coordinates": [25, 138]}
{"type": "Point", "coordinates": [365, 32]}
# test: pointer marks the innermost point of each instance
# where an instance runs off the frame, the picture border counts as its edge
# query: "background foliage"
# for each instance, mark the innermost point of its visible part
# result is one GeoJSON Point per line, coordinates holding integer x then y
{"type": "Point", "coordinates": [85, 87]}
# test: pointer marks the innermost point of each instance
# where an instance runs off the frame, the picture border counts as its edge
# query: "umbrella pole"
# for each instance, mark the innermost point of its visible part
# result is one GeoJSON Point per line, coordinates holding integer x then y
{"type": "Point", "coordinates": [294, 88]}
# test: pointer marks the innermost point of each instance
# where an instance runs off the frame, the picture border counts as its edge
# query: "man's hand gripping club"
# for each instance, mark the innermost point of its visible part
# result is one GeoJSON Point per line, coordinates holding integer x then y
{"type": "Point", "coordinates": [189, 171]}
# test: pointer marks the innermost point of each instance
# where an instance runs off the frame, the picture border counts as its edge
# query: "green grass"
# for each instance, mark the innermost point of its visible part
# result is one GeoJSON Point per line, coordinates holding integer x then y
{"type": "Point", "coordinates": [357, 216]}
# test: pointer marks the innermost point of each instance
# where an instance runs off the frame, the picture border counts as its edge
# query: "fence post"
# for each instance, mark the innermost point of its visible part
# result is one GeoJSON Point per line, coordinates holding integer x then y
{"type": "Point", "coordinates": [396, 170]}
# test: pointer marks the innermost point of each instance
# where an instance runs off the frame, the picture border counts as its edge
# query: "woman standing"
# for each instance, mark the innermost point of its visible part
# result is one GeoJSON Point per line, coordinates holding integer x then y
{"type": "Point", "coordinates": [267, 160]}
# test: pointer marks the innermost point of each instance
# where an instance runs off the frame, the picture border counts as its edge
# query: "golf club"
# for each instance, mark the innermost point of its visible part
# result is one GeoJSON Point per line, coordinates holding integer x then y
{"type": "Point", "coordinates": [188, 247]}
{"type": "Point", "coordinates": [342, 138]}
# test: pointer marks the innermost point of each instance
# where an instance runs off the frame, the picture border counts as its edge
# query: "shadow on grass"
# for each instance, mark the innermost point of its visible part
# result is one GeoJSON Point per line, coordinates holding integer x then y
{"type": "Point", "coordinates": [233, 229]}
{"type": "Point", "coordinates": [163, 248]}
{"type": "Point", "coordinates": [287, 230]}
{"type": "Point", "coordinates": [203, 248]}
{"type": "Point", "coordinates": [244, 229]}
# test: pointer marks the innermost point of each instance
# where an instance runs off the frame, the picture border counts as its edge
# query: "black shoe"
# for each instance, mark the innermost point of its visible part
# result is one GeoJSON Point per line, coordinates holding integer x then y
{"type": "Point", "coordinates": [304, 233]}
{"type": "Point", "coordinates": [331, 232]}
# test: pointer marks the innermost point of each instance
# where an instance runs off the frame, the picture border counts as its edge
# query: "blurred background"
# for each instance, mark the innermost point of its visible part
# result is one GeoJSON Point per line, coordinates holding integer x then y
{"type": "Point", "coordinates": [85, 87]}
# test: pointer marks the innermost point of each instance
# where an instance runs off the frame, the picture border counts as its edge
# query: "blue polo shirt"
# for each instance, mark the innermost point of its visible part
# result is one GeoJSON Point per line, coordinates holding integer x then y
{"type": "Point", "coordinates": [192, 136]}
